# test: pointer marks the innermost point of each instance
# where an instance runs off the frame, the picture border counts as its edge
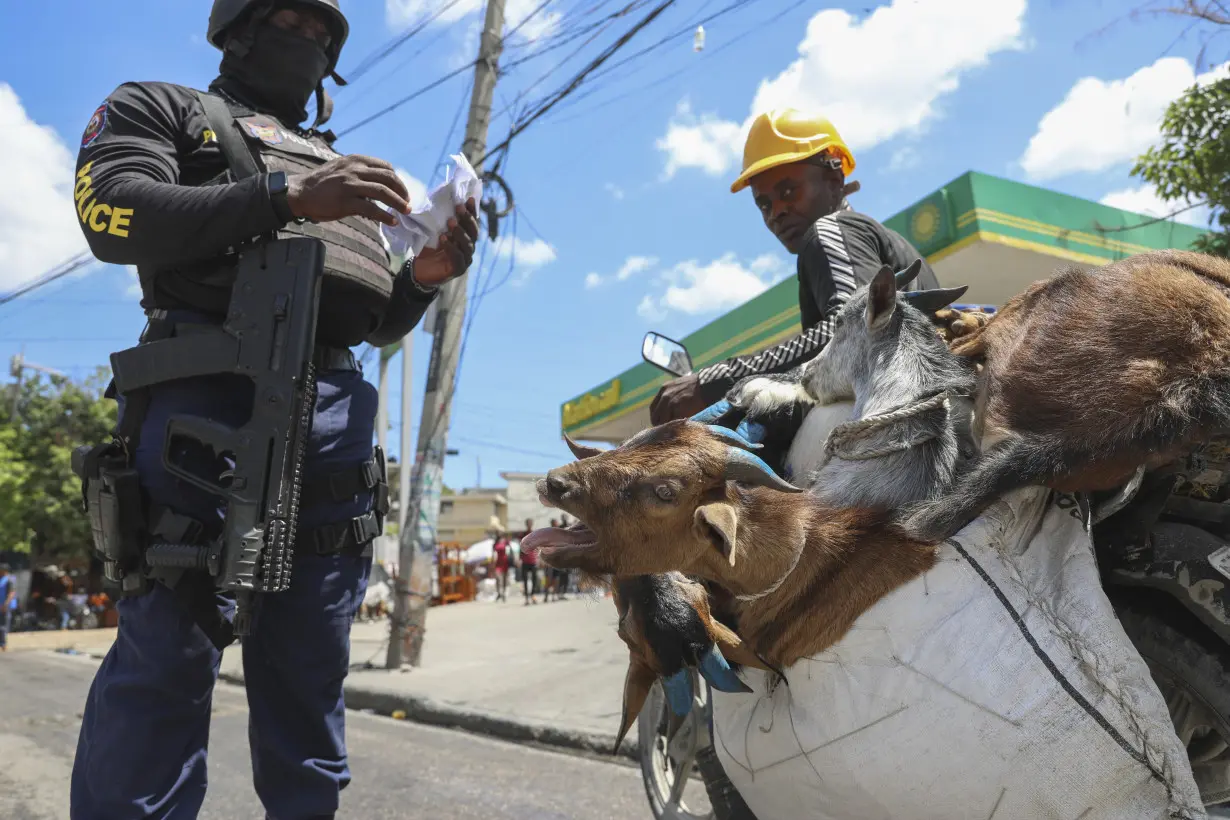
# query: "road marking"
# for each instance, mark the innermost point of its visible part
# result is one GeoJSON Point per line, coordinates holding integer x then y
{"type": "Point", "coordinates": [33, 780]}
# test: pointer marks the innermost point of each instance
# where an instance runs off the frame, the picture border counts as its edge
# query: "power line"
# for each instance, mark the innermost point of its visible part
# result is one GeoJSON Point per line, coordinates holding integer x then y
{"type": "Point", "coordinates": [399, 103]}
{"type": "Point", "coordinates": [579, 78]}
{"type": "Point", "coordinates": [497, 446]}
{"type": "Point", "coordinates": [660, 82]}
{"type": "Point", "coordinates": [372, 60]}
{"type": "Point", "coordinates": [1100, 228]}
{"type": "Point", "coordinates": [63, 269]}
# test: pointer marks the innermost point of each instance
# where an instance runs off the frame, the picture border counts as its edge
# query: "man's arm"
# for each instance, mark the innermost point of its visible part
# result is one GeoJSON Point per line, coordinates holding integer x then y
{"type": "Point", "coordinates": [406, 308]}
{"type": "Point", "coordinates": [129, 202]}
{"type": "Point", "coordinates": [831, 266]}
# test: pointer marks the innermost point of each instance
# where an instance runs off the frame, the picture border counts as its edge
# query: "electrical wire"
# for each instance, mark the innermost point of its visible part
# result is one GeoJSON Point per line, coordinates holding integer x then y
{"type": "Point", "coordinates": [448, 140]}
{"type": "Point", "coordinates": [579, 78]}
{"type": "Point", "coordinates": [497, 446]}
{"type": "Point", "coordinates": [61, 270]}
{"type": "Point", "coordinates": [661, 83]}
{"type": "Point", "coordinates": [372, 60]}
{"type": "Point", "coordinates": [413, 95]}
{"type": "Point", "coordinates": [538, 9]}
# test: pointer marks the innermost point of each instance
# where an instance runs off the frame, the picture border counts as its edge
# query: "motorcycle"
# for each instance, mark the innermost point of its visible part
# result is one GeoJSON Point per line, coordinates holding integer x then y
{"type": "Point", "coordinates": [1162, 543]}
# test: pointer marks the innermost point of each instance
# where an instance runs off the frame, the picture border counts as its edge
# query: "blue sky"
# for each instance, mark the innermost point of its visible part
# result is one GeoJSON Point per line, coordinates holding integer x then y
{"type": "Point", "coordinates": [625, 222]}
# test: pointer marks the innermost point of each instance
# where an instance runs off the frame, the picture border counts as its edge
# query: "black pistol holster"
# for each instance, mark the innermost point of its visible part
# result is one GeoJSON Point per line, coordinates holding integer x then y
{"type": "Point", "coordinates": [268, 336]}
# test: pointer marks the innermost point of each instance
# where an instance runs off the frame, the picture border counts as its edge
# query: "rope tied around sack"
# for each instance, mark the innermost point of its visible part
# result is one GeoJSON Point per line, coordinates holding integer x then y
{"type": "Point", "coordinates": [844, 436]}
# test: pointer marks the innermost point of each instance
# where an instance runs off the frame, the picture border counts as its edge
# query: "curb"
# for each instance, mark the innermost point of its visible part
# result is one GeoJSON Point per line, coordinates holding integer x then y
{"type": "Point", "coordinates": [435, 713]}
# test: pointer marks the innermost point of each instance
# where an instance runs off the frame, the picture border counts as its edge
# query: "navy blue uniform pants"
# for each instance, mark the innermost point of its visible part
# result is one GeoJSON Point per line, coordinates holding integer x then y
{"type": "Point", "coordinates": [145, 732]}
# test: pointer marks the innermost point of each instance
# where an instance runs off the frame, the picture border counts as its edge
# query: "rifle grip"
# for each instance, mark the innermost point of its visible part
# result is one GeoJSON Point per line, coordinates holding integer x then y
{"type": "Point", "coordinates": [219, 437]}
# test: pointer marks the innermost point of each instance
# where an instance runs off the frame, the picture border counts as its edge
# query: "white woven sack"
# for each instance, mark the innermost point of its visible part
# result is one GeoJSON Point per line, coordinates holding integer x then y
{"type": "Point", "coordinates": [998, 686]}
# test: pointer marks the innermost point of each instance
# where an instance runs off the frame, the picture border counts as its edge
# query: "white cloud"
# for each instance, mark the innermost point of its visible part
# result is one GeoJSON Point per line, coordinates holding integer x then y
{"type": "Point", "coordinates": [706, 142]}
{"type": "Point", "coordinates": [38, 223]}
{"type": "Point", "coordinates": [1145, 200]}
{"type": "Point", "coordinates": [634, 265]}
{"type": "Point", "coordinates": [862, 74]}
{"type": "Point", "coordinates": [416, 187]}
{"type": "Point", "coordinates": [614, 190]}
{"type": "Point", "coordinates": [691, 287]}
{"type": "Point", "coordinates": [133, 290]}
{"type": "Point", "coordinates": [903, 159]}
{"type": "Point", "coordinates": [1103, 123]}
{"type": "Point", "coordinates": [402, 14]}
{"type": "Point", "coordinates": [525, 257]}
{"type": "Point", "coordinates": [649, 309]}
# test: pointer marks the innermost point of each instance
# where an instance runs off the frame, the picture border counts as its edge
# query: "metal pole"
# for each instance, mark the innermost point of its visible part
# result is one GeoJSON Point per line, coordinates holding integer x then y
{"type": "Point", "coordinates": [405, 460]}
{"type": "Point", "coordinates": [382, 404]}
{"type": "Point", "coordinates": [418, 541]}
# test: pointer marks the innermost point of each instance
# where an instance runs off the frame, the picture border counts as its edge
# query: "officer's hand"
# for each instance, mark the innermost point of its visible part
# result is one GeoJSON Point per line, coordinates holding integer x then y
{"type": "Point", "coordinates": [678, 399]}
{"type": "Point", "coordinates": [453, 253]}
{"type": "Point", "coordinates": [348, 186]}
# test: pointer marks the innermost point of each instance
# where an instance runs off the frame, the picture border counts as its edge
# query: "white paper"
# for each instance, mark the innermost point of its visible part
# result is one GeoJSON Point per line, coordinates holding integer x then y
{"type": "Point", "coordinates": [421, 228]}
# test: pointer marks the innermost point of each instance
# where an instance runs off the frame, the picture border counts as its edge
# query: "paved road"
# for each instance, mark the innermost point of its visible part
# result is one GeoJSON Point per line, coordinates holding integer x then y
{"type": "Point", "coordinates": [462, 776]}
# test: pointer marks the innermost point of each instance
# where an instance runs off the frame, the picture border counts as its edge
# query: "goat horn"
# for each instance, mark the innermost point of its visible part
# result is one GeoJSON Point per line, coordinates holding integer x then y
{"type": "Point", "coordinates": [749, 468]}
{"type": "Point", "coordinates": [733, 438]}
{"type": "Point", "coordinates": [908, 275]}
{"type": "Point", "coordinates": [929, 301]}
{"type": "Point", "coordinates": [581, 450]}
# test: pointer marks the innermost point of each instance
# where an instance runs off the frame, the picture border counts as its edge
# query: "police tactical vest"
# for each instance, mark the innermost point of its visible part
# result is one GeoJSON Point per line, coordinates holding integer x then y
{"type": "Point", "coordinates": [358, 282]}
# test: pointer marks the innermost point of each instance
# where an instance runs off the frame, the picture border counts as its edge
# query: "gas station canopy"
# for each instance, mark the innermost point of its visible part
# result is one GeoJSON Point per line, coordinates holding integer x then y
{"type": "Point", "coordinates": [995, 235]}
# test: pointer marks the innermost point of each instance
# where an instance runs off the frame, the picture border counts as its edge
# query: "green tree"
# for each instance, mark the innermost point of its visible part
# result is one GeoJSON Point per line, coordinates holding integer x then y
{"type": "Point", "coordinates": [1192, 163]}
{"type": "Point", "coordinates": [54, 417]}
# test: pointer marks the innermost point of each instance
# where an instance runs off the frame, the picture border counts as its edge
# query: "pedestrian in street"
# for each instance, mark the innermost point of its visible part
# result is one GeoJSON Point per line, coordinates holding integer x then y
{"type": "Point", "coordinates": [184, 185]}
{"type": "Point", "coordinates": [529, 567]}
{"type": "Point", "coordinates": [500, 552]}
{"type": "Point", "coordinates": [8, 604]}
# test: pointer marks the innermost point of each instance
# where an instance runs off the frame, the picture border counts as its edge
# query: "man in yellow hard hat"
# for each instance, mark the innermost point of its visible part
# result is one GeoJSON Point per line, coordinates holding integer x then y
{"type": "Point", "coordinates": [796, 165]}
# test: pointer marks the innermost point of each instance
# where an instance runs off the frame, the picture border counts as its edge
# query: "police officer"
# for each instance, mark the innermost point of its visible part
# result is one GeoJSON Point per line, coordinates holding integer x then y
{"type": "Point", "coordinates": [156, 188]}
{"type": "Point", "coordinates": [796, 165]}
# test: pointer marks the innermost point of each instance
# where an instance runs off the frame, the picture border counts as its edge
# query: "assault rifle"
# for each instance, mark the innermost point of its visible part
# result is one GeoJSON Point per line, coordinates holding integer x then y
{"type": "Point", "coordinates": [268, 336]}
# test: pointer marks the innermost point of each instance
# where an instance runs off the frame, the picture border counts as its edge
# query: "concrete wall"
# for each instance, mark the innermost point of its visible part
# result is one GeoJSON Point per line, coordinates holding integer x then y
{"type": "Point", "coordinates": [523, 501]}
{"type": "Point", "coordinates": [467, 516]}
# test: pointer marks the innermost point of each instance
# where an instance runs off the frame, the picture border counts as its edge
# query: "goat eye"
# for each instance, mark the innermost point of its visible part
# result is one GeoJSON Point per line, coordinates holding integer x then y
{"type": "Point", "coordinates": [664, 492]}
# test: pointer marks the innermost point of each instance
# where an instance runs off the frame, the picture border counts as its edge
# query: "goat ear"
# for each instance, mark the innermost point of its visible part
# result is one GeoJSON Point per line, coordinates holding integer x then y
{"type": "Point", "coordinates": [929, 301]}
{"type": "Point", "coordinates": [637, 684]}
{"type": "Point", "coordinates": [881, 298]}
{"type": "Point", "coordinates": [717, 523]}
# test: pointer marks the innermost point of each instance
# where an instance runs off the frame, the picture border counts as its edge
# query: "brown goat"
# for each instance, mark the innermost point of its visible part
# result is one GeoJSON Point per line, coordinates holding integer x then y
{"type": "Point", "coordinates": [683, 497]}
{"type": "Point", "coordinates": [652, 605]}
{"type": "Point", "coordinates": [1091, 374]}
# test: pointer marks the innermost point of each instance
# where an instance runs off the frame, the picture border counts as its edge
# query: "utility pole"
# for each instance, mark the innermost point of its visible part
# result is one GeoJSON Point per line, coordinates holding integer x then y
{"type": "Point", "coordinates": [405, 459]}
{"type": "Point", "coordinates": [17, 366]}
{"type": "Point", "coordinates": [382, 404]}
{"type": "Point", "coordinates": [418, 539]}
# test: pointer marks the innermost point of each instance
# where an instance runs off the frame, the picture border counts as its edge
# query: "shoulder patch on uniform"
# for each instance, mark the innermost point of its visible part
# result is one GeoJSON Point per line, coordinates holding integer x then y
{"type": "Point", "coordinates": [95, 126]}
{"type": "Point", "coordinates": [266, 132]}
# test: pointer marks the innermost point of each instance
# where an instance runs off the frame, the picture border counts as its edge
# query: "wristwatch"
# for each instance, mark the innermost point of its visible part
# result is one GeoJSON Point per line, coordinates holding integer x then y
{"type": "Point", "coordinates": [279, 187]}
{"type": "Point", "coordinates": [423, 290]}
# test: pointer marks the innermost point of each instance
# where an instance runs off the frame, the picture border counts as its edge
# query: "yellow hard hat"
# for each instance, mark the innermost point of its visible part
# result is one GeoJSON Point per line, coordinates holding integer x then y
{"type": "Point", "coordinates": [786, 135]}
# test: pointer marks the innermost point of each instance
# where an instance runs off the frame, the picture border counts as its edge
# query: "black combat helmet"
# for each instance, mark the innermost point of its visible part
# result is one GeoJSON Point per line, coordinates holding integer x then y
{"type": "Point", "coordinates": [225, 13]}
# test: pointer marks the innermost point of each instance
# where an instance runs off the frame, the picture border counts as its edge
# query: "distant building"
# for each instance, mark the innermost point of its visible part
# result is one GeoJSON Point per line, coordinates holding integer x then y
{"type": "Point", "coordinates": [468, 516]}
{"type": "Point", "coordinates": [523, 501]}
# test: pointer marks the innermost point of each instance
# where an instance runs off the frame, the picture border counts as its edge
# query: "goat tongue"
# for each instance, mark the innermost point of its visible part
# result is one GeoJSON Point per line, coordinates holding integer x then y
{"type": "Point", "coordinates": [548, 537]}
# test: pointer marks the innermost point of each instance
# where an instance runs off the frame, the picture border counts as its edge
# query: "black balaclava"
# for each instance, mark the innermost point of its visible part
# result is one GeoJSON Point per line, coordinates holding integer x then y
{"type": "Point", "coordinates": [274, 70]}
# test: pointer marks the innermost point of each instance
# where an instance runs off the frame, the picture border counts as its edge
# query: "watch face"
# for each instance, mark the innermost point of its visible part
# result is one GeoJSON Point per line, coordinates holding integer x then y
{"type": "Point", "coordinates": [277, 182]}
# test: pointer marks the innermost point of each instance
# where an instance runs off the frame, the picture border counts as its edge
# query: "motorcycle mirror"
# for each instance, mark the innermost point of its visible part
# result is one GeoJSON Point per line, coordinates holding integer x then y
{"type": "Point", "coordinates": [666, 354]}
